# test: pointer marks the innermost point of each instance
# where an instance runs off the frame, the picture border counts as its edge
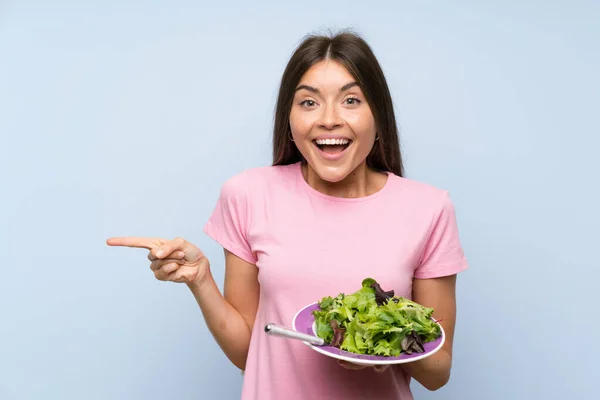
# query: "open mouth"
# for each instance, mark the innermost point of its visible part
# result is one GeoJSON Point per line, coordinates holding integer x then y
{"type": "Point", "coordinates": [332, 146]}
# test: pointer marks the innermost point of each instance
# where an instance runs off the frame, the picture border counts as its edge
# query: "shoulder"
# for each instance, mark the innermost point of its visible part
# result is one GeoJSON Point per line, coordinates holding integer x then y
{"type": "Point", "coordinates": [420, 195]}
{"type": "Point", "coordinates": [257, 179]}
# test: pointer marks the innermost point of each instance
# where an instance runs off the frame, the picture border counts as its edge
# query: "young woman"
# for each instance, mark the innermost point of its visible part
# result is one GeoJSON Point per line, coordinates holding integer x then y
{"type": "Point", "coordinates": [333, 209]}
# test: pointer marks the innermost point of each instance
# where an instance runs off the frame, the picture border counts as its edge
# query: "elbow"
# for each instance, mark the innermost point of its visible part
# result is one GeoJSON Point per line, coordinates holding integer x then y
{"type": "Point", "coordinates": [238, 360]}
{"type": "Point", "coordinates": [436, 384]}
{"type": "Point", "coordinates": [434, 387]}
{"type": "Point", "coordinates": [240, 364]}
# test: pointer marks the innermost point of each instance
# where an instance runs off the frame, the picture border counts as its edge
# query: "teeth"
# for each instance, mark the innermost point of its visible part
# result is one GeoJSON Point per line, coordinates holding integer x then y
{"type": "Point", "coordinates": [332, 141]}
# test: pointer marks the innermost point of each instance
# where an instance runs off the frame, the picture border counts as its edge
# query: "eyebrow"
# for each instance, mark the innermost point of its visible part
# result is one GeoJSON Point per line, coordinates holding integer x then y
{"type": "Point", "coordinates": [315, 90]}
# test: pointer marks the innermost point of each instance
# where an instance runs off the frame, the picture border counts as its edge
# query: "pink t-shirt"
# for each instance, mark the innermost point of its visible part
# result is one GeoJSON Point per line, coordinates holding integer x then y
{"type": "Point", "coordinates": [308, 245]}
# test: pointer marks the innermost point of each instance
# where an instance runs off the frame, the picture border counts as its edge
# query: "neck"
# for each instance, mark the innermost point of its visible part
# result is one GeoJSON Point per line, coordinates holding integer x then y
{"type": "Point", "coordinates": [361, 182]}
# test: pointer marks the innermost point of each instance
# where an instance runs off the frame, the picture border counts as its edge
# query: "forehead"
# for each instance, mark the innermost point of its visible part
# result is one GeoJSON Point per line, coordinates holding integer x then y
{"type": "Point", "coordinates": [327, 74]}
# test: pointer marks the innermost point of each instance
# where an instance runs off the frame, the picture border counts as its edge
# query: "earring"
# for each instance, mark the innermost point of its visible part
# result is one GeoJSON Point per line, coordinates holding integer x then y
{"type": "Point", "coordinates": [290, 135]}
{"type": "Point", "coordinates": [376, 136]}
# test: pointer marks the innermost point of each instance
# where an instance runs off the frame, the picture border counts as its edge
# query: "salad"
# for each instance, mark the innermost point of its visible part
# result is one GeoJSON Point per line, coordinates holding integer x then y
{"type": "Point", "coordinates": [373, 321]}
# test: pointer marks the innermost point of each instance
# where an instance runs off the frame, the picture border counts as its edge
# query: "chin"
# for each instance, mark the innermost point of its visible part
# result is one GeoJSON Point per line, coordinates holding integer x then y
{"type": "Point", "coordinates": [332, 173]}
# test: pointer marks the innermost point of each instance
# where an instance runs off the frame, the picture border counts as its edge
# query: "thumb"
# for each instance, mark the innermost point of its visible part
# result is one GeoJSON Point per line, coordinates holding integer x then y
{"type": "Point", "coordinates": [380, 368]}
{"type": "Point", "coordinates": [169, 247]}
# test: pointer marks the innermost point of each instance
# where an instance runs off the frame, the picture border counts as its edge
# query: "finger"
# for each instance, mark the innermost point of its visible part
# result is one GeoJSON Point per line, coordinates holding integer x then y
{"type": "Point", "coordinates": [183, 274]}
{"type": "Point", "coordinates": [380, 368]}
{"type": "Point", "coordinates": [164, 272]}
{"type": "Point", "coordinates": [169, 247]}
{"type": "Point", "coordinates": [178, 255]}
{"type": "Point", "coordinates": [132, 241]}
{"type": "Point", "coordinates": [158, 264]}
{"type": "Point", "coordinates": [349, 365]}
{"type": "Point", "coordinates": [169, 268]}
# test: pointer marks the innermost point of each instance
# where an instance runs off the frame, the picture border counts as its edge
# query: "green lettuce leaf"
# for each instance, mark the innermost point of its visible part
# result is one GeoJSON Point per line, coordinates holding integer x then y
{"type": "Point", "coordinates": [374, 321]}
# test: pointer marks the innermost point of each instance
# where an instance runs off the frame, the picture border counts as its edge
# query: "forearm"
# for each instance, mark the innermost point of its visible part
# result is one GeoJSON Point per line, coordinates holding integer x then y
{"type": "Point", "coordinates": [432, 372]}
{"type": "Point", "coordinates": [225, 323]}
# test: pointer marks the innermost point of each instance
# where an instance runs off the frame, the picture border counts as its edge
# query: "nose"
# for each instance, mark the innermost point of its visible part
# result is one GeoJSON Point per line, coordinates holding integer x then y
{"type": "Point", "coordinates": [330, 118]}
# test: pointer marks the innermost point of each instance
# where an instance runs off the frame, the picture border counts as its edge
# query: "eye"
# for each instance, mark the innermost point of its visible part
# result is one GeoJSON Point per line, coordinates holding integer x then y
{"type": "Point", "coordinates": [352, 101]}
{"type": "Point", "coordinates": [308, 103]}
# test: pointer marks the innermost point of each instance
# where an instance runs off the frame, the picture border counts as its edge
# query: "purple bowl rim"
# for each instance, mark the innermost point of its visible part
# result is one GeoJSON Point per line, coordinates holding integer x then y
{"type": "Point", "coordinates": [304, 321]}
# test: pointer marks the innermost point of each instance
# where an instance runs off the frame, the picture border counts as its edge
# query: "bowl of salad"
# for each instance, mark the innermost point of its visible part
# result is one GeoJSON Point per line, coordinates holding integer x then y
{"type": "Point", "coordinates": [371, 327]}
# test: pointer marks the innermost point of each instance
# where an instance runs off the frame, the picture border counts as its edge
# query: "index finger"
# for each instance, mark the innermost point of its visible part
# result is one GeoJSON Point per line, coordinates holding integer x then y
{"type": "Point", "coordinates": [132, 241]}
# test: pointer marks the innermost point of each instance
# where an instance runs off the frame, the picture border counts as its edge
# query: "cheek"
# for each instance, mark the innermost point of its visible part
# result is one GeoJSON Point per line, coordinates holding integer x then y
{"type": "Point", "coordinates": [362, 119]}
{"type": "Point", "coordinates": [363, 126]}
{"type": "Point", "coordinates": [300, 124]}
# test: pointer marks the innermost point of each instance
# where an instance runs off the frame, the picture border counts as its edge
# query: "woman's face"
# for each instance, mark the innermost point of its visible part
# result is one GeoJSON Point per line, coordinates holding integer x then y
{"type": "Point", "coordinates": [332, 124]}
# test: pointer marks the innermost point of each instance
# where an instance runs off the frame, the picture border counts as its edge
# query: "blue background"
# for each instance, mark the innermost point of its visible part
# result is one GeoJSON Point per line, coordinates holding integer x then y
{"type": "Point", "coordinates": [124, 118]}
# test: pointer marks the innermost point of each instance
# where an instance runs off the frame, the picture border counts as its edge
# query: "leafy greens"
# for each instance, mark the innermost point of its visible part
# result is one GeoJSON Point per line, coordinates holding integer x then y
{"type": "Point", "coordinates": [373, 321]}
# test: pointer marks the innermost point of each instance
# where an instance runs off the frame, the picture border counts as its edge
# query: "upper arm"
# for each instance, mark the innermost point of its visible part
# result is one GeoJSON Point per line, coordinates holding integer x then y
{"type": "Point", "coordinates": [241, 288]}
{"type": "Point", "coordinates": [434, 283]}
{"type": "Point", "coordinates": [229, 225]}
{"type": "Point", "coordinates": [439, 294]}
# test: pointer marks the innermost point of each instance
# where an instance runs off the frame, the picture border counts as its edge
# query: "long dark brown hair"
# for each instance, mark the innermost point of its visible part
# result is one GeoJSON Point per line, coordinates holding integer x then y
{"type": "Point", "coordinates": [352, 51]}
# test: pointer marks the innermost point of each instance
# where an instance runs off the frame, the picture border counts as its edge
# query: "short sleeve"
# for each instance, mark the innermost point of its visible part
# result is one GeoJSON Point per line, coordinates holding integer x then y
{"type": "Point", "coordinates": [443, 254]}
{"type": "Point", "coordinates": [228, 224]}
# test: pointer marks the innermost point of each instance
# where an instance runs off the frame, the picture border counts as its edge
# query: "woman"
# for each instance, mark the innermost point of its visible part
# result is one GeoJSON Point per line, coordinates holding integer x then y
{"type": "Point", "coordinates": [333, 209]}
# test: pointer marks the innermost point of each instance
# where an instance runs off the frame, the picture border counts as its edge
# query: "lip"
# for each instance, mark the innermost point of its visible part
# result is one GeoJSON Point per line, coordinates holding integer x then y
{"type": "Point", "coordinates": [331, 137]}
{"type": "Point", "coordinates": [332, 157]}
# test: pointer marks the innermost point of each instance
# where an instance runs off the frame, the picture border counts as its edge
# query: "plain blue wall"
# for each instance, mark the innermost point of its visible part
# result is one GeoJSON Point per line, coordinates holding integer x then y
{"type": "Point", "coordinates": [124, 118]}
